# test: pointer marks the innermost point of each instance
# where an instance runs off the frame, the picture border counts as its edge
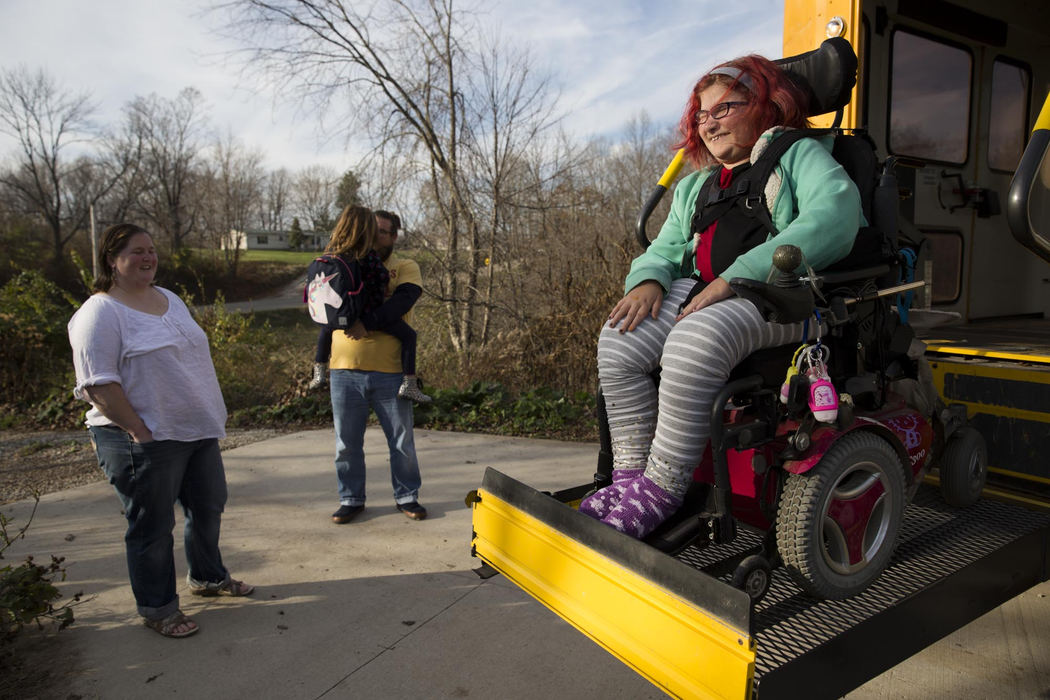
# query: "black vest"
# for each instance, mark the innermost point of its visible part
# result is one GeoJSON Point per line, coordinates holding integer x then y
{"type": "Point", "coordinates": [738, 229]}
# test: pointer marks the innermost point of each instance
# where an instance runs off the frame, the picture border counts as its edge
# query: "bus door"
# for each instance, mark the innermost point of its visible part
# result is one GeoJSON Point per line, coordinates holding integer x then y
{"type": "Point", "coordinates": [950, 84]}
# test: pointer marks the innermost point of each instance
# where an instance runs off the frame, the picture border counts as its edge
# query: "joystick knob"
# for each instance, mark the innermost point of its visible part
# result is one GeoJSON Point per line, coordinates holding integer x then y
{"type": "Point", "coordinates": [786, 259]}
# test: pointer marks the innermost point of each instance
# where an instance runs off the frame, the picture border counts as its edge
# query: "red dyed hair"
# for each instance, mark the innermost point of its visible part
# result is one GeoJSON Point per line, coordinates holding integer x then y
{"type": "Point", "coordinates": [775, 101]}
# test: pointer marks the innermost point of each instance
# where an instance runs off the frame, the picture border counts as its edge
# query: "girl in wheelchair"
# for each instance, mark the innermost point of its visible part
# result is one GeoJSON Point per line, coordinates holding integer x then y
{"type": "Point", "coordinates": [679, 312]}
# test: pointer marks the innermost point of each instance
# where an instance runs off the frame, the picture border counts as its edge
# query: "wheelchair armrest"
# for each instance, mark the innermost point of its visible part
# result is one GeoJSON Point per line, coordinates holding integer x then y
{"type": "Point", "coordinates": [834, 278]}
{"type": "Point", "coordinates": [776, 304]}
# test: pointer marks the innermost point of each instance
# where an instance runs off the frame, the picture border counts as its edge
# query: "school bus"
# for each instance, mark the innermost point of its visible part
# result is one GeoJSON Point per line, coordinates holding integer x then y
{"type": "Point", "coordinates": [957, 93]}
{"type": "Point", "coordinates": [959, 87]}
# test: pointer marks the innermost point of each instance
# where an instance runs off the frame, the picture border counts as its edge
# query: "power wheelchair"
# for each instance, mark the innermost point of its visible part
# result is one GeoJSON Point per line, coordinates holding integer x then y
{"type": "Point", "coordinates": [828, 496]}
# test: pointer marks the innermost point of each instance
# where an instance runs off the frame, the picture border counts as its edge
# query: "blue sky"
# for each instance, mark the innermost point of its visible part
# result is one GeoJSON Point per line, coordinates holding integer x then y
{"type": "Point", "coordinates": [611, 58]}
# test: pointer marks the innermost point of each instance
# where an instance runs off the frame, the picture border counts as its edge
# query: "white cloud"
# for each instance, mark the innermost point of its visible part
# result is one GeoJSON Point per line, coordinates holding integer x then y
{"type": "Point", "coordinates": [612, 58]}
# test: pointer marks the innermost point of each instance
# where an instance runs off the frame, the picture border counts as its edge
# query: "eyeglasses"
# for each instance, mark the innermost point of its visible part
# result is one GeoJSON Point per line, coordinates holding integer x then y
{"type": "Point", "coordinates": [720, 110]}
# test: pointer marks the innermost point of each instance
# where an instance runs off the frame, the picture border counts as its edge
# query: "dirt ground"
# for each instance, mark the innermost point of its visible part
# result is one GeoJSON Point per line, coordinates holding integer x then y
{"type": "Point", "coordinates": [43, 462]}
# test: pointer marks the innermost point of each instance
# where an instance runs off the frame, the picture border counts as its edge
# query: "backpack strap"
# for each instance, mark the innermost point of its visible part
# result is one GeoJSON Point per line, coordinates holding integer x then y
{"type": "Point", "coordinates": [748, 192]}
{"type": "Point", "coordinates": [350, 276]}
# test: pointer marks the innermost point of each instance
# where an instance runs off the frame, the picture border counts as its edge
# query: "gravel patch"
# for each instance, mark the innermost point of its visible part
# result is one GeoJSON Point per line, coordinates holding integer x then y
{"type": "Point", "coordinates": [44, 462]}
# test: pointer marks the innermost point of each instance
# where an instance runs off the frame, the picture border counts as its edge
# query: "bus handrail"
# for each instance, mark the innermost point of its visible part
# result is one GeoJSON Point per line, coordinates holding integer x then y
{"type": "Point", "coordinates": [1018, 214]}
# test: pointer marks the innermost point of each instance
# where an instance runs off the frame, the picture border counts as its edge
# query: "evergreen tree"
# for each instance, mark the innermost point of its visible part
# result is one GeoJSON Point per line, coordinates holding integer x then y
{"type": "Point", "coordinates": [295, 235]}
{"type": "Point", "coordinates": [349, 191]}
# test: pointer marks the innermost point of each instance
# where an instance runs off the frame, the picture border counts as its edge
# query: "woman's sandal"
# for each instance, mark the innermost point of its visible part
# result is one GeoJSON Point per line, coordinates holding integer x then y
{"type": "Point", "coordinates": [231, 587]}
{"type": "Point", "coordinates": [174, 625]}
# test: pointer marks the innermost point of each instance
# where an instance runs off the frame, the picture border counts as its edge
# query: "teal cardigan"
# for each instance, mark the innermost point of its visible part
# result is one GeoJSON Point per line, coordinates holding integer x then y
{"type": "Point", "coordinates": [817, 208]}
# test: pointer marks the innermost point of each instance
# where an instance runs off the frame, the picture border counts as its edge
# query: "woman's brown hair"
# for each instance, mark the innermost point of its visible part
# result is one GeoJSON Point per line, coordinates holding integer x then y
{"type": "Point", "coordinates": [114, 240]}
{"type": "Point", "coordinates": [354, 233]}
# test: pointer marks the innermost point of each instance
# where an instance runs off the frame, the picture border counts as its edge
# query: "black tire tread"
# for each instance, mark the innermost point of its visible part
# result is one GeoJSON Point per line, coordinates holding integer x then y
{"type": "Point", "coordinates": [954, 467]}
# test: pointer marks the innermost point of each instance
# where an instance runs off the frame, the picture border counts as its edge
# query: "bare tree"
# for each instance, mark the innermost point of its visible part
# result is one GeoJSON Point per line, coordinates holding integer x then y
{"type": "Point", "coordinates": [277, 199]}
{"type": "Point", "coordinates": [46, 180]}
{"type": "Point", "coordinates": [510, 110]}
{"type": "Point", "coordinates": [122, 150]}
{"type": "Point", "coordinates": [235, 178]}
{"type": "Point", "coordinates": [405, 68]}
{"type": "Point", "coordinates": [173, 133]}
{"type": "Point", "coordinates": [632, 168]}
{"type": "Point", "coordinates": [313, 196]}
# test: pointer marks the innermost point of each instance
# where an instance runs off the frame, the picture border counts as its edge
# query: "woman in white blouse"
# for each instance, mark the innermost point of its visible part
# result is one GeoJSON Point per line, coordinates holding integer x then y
{"type": "Point", "coordinates": [156, 417]}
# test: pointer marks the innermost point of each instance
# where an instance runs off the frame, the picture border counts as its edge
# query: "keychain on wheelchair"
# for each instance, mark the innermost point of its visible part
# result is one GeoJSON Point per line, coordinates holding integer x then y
{"type": "Point", "coordinates": [793, 371]}
{"type": "Point", "coordinates": [809, 373]}
{"type": "Point", "coordinates": [823, 399]}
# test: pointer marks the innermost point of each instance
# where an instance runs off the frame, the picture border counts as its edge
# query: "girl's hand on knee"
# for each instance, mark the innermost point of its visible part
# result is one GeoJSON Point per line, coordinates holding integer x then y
{"type": "Point", "coordinates": [644, 300]}
{"type": "Point", "coordinates": [714, 292]}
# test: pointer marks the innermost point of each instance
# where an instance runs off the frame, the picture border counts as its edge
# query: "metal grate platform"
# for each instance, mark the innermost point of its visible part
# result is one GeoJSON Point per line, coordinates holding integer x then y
{"type": "Point", "coordinates": [946, 558]}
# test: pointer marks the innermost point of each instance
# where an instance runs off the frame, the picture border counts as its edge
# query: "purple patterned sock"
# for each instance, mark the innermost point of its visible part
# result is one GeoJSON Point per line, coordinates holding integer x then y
{"type": "Point", "coordinates": [643, 508]}
{"type": "Point", "coordinates": [599, 503]}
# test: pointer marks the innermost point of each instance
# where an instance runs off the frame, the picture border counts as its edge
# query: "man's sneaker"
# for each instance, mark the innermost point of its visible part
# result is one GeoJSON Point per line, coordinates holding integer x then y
{"type": "Point", "coordinates": [412, 510]}
{"type": "Point", "coordinates": [410, 390]}
{"type": "Point", "coordinates": [346, 513]}
{"type": "Point", "coordinates": [320, 377]}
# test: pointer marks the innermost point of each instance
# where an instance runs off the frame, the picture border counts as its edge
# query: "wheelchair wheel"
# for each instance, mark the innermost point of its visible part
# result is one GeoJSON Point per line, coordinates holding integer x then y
{"type": "Point", "coordinates": [837, 524]}
{"type": "Point", "coordinates": [753, 576]}
{"type": "Point", "coordinates": [964, 467]}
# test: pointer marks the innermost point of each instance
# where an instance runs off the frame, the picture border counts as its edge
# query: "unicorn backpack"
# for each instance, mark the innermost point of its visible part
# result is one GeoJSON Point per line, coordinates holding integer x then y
{"type": "Point", "coordinates": [333, 291]}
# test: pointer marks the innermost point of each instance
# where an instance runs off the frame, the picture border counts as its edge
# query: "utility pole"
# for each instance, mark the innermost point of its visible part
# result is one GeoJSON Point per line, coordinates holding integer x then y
{"type": "Point", "coordinates": [94, 243]}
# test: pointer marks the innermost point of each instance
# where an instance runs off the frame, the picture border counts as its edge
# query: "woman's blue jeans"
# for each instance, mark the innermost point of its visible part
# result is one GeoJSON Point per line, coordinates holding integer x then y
{"type": "Point", "coordinates": [149, 478]}
{"type": "Point", "coordinates": [354, 392]}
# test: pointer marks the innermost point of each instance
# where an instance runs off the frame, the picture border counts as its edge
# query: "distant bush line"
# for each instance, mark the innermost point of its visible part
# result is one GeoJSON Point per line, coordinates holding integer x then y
{"type": "Point", "coordinates": [517, 385]}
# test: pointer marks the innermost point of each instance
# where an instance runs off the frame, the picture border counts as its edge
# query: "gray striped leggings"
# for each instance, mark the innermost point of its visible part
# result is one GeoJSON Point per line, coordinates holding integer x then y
{"type": "Point", "coordinates": [667, 434]}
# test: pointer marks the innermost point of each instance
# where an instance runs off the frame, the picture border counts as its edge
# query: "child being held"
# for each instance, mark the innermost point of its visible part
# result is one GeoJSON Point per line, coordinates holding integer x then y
{"type": "Point", "coordinates": [354, 238]}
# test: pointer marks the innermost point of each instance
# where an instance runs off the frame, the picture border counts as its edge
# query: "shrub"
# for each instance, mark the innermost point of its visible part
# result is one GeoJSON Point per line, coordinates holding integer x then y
{"type": "Point", "coordinates": [33, 316]}
{"type": "Point", "coordinates": [240, 350]}
{"type": "Point", "coordinates": [27, 591]}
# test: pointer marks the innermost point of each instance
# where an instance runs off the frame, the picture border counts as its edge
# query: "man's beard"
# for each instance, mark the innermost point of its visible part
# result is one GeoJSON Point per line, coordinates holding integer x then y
{"type": "Point", "coordinates": [385, 252]}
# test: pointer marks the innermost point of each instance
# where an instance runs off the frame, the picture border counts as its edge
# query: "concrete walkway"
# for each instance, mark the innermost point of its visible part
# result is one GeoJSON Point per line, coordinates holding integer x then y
{"type": "Point", "coordinates": [385, 607]}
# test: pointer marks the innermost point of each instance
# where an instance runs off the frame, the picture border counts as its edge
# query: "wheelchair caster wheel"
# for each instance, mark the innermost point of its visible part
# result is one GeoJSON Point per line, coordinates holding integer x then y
{"type": "Point", "coordinates": [753, 576]}
{"type": "Point", "coordinates": [964, 467]}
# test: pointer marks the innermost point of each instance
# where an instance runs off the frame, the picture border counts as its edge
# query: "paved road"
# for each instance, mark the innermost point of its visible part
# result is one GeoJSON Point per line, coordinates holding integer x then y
{"type": "Point", "coordinates": [388, 608]}
{"type": "Point", "coordinates": [291, 297]}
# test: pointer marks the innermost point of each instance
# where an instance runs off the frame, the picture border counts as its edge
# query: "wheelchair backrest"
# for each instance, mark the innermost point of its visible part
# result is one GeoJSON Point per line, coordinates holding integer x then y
{"type": "Point", "coordinates": [827, 76]}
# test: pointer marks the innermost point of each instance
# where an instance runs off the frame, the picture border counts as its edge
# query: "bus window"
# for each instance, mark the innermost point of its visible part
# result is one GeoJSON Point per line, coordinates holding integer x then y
{"type": "Point", "coordinates": [929, 99]}
{"type": "Point", "coordinates": [1007, 129]}
{"type": "Point", "coordinates": [946, 252]}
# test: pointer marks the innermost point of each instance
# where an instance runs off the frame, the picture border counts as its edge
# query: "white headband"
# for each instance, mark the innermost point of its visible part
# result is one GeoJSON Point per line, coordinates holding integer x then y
{"type": "Point", "coordinates": [737, 75]}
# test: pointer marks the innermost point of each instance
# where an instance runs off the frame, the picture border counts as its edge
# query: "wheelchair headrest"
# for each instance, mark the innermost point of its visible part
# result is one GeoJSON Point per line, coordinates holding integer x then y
{"type": "Point", "coordinates": [825, 75]}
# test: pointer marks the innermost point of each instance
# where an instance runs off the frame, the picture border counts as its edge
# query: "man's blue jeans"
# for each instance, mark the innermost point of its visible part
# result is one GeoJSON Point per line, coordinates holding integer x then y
{"type": "Point", "coordinates": [149, 478]}
{"type": "Point", "coordinates": [353, 393]}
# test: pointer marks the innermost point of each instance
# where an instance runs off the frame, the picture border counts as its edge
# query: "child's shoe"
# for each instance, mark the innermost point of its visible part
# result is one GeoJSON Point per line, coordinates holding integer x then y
{"type": "Point", "coordinates": [410, 390]}
{"type": "Point", "coordinates": [320, 377]}
{"type": "Point", "coordinates": [823, 400]}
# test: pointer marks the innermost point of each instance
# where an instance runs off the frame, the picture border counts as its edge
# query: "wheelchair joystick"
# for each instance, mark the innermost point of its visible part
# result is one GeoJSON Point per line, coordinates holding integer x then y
{"type": "Point", "coordinates": [786, 259]}
{"type": "Point", "coordinates": [782, 298]}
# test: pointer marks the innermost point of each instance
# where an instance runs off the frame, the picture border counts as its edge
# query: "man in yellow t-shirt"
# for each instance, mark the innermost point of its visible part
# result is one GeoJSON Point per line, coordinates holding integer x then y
{"type": "Point", "coordinates": [366, 374]}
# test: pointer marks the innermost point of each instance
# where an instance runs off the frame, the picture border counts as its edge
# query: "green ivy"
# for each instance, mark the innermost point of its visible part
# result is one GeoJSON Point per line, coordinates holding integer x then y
{"type": "Point", "coordinates": [489, 407]}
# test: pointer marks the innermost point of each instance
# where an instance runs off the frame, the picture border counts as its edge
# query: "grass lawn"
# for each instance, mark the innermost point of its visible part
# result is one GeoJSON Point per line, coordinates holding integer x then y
{"type": "Point", "coordinates": [291, 257]}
